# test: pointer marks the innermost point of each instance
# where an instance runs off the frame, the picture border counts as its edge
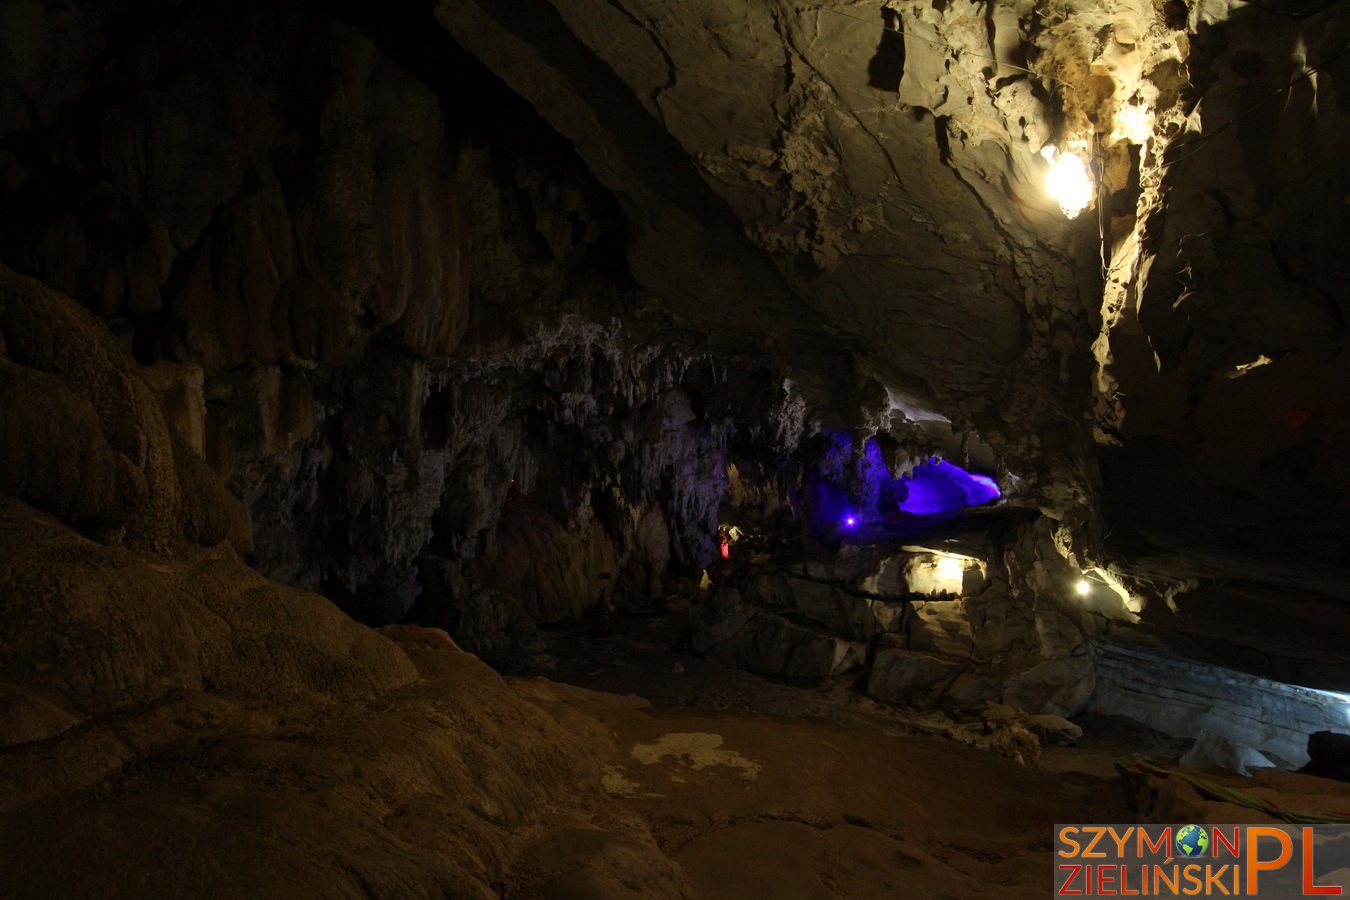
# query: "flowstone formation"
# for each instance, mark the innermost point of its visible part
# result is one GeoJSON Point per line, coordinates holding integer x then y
{"type": "Point", "coordinates": [154, 690]}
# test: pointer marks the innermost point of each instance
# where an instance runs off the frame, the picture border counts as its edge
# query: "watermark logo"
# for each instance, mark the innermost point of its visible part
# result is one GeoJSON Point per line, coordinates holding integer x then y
{"type": "Point", "coordinates": [1275, 861]}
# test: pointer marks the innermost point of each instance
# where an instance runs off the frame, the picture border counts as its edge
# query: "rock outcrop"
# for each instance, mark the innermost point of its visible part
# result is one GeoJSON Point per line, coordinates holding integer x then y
{"type": "Point", "coordinates": [155, 691]}
{"type": "Point", "coordinates": [274, 216]}
{"type": "Point", "coordinates": [1007, 637]}
{"type": "Point", "coordinates": [1217, 364]}
{"type": "Point", "coordinates": [1188, 699]}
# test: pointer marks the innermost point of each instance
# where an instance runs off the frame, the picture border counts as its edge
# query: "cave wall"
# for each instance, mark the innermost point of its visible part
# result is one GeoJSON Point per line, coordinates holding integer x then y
{"type": "Point", "coordinates": [879, 179]}
{"type": "Point", "coordinates": [1186, 699]}
{"type": "Point", "coordinates": [1224, 408]}
{"type": "Point", "coordinates": [125, 582]}
{"type": "Point", "coordinates": [261, 206]}
{"type": "Point", "coordinates": [380, 301]}
{"type": "Point", "coordinates": [884, 164]}
{"type": "Point", "coordinates": [1001, 632]}
{"type": "Point", "coordinates": [899, 225]}
{"type": "Point", "coordinates": [463, 347]}
{"type": "Point", "coordinates": [368, 288]}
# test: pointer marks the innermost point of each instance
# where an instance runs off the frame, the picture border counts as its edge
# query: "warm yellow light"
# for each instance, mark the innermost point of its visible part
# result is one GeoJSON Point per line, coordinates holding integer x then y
{"type": "Point", "coordinates": [1082, 587]}
{"type": "Point", "coordinates": [1068, 180]}
{"type": "Point", "coordinates": [950, 569]}
{"type": "Point", "coordinates": [1132, 123]}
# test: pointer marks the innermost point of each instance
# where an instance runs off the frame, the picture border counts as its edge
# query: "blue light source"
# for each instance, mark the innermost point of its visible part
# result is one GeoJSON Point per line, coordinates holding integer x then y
{"type": "Point", "coordinates": [850, 521]}
{"type": "Point", "coordinates": [937, 487]}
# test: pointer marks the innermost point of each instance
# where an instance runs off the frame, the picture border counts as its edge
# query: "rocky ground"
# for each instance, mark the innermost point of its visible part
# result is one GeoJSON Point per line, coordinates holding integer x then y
{"type": "Point", "coordinates": [454, 782]}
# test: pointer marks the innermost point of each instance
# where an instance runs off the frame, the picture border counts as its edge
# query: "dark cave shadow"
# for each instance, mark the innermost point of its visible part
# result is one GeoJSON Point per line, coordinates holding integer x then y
{"type": "Point", "coordinates": [886, 68]}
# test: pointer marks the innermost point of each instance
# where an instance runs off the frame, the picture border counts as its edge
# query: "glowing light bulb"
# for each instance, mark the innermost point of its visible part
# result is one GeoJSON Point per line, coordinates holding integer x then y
{"type": "Point", "coordinates": [1068, 180]}
{"type": "Point", "coordinates": [1082, 587]}
{"type": "Point", "coordinates": [850, 521]}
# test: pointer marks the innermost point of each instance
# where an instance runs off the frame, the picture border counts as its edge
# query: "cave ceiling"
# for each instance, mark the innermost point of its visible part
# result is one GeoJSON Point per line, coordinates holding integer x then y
{"type": "Point", "coordinates": [807, 175]}
{"type": "Point", "coordinates": [860, 188]}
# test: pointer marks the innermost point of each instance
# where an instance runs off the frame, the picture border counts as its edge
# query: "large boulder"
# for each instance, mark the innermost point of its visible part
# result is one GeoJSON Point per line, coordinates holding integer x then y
{"type": "Point", "coordinates": [1214, 751]}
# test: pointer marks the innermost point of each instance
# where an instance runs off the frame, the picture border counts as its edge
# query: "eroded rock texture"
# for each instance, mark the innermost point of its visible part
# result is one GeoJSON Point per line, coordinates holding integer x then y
{"type": "Point", "coordinates": [1228, 359]}
{"type": "Point", "coordinates": [87, 438]}
{"type": "Point", "coordinates": [280, 223]}
{"type": "Point", "coordinates": [157, 692]}
{"type": "Point", "coordinates": [899, 220]}
{"type": "Point", "coordinates": [1000, 632]}
{"type": "Point", "coordinates": [879, 166]}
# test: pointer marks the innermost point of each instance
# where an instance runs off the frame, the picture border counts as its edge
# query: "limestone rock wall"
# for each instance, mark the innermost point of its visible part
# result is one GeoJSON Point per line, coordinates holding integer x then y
{"type": "Point", "coordinates": [255, 199]}
{"type": "Point", "coordinates": [876, 172]}
{"type": "Point", "coordinates": [1183, 698]}
{"type": "Point", "coordinates": [1014, 638]}
{"type": "Point", "coordinates": [280, 222]}
{"type": "Point", "coordinates": [149, 596]}
{"type": "Point", "coordinates": [382, 294]}
{"type": "Point", "coordinates": [263, 181]}
{"type": "Point", "coordinates": [155, 690]}
{"type": "Point", "coordinates": [1224, 403]}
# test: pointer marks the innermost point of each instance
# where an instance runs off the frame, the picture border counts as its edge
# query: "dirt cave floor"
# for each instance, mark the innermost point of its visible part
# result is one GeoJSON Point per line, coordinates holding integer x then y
{"type": "Point", "coordinates": [762, 806]}
{"type": "Point", "coordinates": [760, 788]}
{"type": "Point", "coordinates": [681, 779]}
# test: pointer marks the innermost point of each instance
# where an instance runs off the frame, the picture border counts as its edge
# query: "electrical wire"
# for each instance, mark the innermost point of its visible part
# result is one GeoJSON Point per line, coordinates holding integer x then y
{"type": "Point", "coordinates": [1101, 209]}
{"type": "Point", "coordinates": [1201, 140]}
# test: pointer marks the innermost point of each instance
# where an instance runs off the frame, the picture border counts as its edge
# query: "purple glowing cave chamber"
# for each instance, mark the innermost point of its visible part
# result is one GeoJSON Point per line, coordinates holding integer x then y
{"type": "Point", "coordinates": [938, 487]}
{"type": "Point", "coordinates": [932, 488]}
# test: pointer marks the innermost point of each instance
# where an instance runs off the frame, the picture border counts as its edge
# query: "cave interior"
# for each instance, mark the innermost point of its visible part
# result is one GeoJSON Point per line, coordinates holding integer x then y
{"type": "Point", "coordinates": [664, 448]}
